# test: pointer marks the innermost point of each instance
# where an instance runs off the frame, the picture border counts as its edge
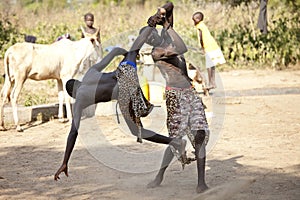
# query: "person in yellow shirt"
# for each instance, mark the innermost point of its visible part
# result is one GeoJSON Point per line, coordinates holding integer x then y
{"type": "Point", "coordinates": [213, 53]}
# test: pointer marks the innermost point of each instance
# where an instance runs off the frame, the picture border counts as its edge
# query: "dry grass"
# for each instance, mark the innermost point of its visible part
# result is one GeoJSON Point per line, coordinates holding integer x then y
{"type": "Point", "coordinates": [114, 20]}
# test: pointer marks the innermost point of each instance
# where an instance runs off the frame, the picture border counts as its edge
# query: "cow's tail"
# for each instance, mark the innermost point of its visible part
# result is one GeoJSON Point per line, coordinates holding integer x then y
{"type": "Point", "coordinates": [71, 86]}
{"type": "Point", "coordinates": [6, 89]}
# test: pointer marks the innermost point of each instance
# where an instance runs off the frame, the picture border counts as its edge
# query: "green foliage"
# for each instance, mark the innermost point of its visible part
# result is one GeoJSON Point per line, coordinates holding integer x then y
{"type": "Point", "coordinates": [51, 83]}
{"type": "Point", "coordinates": [8, 35]}
{"type": "Point", "coordinates": [234, 27]}
{"type": "Point", "coordinates": [272, 3]}
{"type": "Point", "coordinates": [33, 99]}
{"type": "Point", "coordinates": [48, 33]}
{"type": "Point", "coordinates": [235, 2]}
{"type": "Point", "coordinates": [1, 79]}
{"type": "Point", "coordinates": [49, 4]}
{"type": "Point", "coordinates": [241, 45]}
{"type": "Point", "coordinates": [292, 4]}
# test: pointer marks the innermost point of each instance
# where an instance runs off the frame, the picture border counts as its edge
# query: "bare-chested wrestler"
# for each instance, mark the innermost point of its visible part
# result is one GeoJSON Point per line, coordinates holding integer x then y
{"type": "Point", "coordinates": [100, 87]}
{"type": "Point", "coordinates": [185, 110]}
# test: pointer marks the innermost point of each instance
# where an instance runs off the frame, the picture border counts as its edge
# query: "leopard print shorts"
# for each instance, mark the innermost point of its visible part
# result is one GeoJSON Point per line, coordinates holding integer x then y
{"type": "Point", "coordinates": [132, 102]}
{"type": "Point", "coordinates": [185, 112]}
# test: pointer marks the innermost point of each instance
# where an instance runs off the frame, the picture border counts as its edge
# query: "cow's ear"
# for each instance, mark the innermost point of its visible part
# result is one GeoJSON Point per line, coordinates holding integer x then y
{"type": "Point", "coordinates": [97, 32]}
{"type": "Point", "coordinates": [82, 30]}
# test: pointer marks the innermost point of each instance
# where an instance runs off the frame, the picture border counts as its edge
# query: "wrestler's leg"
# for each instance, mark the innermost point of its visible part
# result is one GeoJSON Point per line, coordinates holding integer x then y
{"type": "Point", "coordinates": [200, 153]}
{"type": "Point", "coordinates": [134, 123]}
{"type": "Point", "coordinates": [154, 137]}
{"type": "Point", "coordinates": [168, 157]}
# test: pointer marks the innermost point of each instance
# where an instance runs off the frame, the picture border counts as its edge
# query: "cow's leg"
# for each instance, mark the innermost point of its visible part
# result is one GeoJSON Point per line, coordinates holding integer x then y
{"type": "Point", "coordinates": [68, 102]}
{"type": "Point", "coordinates": [19, 81]}
{"type": "Point", "coordinates": [5, 92]}
{"type": "Point", "coordinates": [60, 101]}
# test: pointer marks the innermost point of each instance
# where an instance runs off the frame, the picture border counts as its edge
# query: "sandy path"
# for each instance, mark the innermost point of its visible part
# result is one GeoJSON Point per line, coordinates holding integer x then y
{"type": "Point", "coordinates": [259, 140]}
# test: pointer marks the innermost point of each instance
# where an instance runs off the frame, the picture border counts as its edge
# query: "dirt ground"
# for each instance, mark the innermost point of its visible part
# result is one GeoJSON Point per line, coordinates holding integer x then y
{"type": "Point", "coordinates": [253, 152]}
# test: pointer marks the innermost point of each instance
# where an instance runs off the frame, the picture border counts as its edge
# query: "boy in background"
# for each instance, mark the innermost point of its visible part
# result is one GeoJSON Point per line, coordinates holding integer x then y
{"type": "Point", "coordinates": [213, 53]}
{"type": "Point", "coordinates": [91, 30]}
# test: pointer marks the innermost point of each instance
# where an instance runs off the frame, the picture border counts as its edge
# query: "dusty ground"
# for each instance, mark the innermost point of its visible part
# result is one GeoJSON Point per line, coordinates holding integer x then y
{"type": "Point", "coordinates": [253, 152]}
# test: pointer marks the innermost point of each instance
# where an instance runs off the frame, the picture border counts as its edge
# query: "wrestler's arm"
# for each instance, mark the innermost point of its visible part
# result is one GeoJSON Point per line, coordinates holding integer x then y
{"type": "Point", "coordinates": [71, 139]}
{"type": "Point", "coordinates": [175, 46]}
{"type": "Point", "coordinates": [177, 42]}
{"type": "Point", "coordinates": [169, 12]}
{"type": "Point", "coordinates": [141, 39]}
{"type": "Point", "coordinates": [108, 58]}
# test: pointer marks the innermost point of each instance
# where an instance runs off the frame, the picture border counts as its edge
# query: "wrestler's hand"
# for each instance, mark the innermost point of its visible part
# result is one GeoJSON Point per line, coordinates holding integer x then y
{"type": "Point", "coordinates": [161, 11]}
{"type": "Point", "coordinates": [152, 21]}
{"type": "Point", "coordinates": [157, 18]}
{"type": "Point", "coordinates": [63, 168]}
{"type": "Point", "coordinates": [166, 24]}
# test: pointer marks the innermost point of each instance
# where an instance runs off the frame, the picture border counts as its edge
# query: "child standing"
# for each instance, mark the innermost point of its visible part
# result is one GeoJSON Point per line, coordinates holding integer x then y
{"type": "Point", "coordinates": [213, 53]}
{"type": "Point", "coordinates": [91, 30]}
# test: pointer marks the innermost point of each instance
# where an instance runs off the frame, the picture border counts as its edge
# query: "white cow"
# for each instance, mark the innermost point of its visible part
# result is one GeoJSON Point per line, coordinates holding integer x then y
{"type": "Point", "coordinates": [60, 60]}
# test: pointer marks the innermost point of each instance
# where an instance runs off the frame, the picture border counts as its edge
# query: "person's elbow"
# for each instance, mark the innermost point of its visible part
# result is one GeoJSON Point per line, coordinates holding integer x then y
{"type": "Point", "coordinates": [156, 55]}
{"type": "Point", "coordinates": [181, 49]}
{"type": "Point", "coordinates": [119, 51]}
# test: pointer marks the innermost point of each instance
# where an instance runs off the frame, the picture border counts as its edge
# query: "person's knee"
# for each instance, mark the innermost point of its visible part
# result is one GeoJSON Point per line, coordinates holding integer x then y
{"type": "Point", "coordinates": [200, 136]}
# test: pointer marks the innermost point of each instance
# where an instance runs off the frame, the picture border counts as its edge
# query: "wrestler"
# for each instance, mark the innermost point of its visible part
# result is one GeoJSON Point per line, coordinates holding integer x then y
{"type": "Point", "coordinates": [95, 84]}
{"type": "Point", "coordinates": [185, 110]}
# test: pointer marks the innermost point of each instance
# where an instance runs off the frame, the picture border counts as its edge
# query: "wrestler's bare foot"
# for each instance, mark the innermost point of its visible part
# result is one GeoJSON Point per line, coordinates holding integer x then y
{"type": "Point", "coordinates": [156, 182]}
{"type": "Point", "coordinates": [201, 188]}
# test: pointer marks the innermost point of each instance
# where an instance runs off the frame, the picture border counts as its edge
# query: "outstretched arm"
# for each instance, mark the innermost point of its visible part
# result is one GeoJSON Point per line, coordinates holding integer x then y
{"type": "Point", "coordinates": [71, 139]}
{"type": "Point", "coordinates": [172, 46]}
{"type": "Point", "coordinates": [80, 103]}
{"type": "Point", "coordinates": [169, 12]}
{"type": "Point", "coordinates": [177, 42]}
{"type": "Point", "coordinates": [147, 30]}
{"type": "Point", "coordinates": [142, 38]}
{"type": "Point", "coordinates": [108, 58]}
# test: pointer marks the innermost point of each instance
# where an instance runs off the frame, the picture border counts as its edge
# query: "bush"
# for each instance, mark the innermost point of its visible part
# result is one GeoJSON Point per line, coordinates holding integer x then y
{"type": "Point", "coordinates": [279, 48]}
{"type": "Point", "coordinates": [233, 26]}
{"type": "Point", "coordinates": [35, 99]}
{"type": "Point", "coordinates": [8, 35]}
{"type": "Point", "coordinates": [48, 33]}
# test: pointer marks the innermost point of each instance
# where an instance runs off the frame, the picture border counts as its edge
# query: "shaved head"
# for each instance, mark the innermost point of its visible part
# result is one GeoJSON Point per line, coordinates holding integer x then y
{"type": "Point", "coordinates": [197, 17]}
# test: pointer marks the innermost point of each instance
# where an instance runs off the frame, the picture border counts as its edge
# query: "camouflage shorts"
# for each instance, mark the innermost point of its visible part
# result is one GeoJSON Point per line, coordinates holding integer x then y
{"type": "Point", "coordinates": [185, 112]}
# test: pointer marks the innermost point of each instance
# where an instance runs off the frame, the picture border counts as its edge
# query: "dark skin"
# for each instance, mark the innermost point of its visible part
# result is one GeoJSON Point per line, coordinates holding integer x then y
{"type": "Point", "coordinates": [168, 56]}
{"type": "Point", "coordinates": [197, 18]}
{"type": "Point", "coordinates": [104, 85]}
{"type": "Point", "coordinates": [83, 100]}
{"type": "Point", "coordinates": [90, 29]}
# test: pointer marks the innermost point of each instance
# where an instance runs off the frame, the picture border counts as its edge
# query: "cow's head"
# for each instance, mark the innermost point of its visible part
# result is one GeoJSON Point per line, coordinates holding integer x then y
{"type": "Point", "coordinates": [95, 40]}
